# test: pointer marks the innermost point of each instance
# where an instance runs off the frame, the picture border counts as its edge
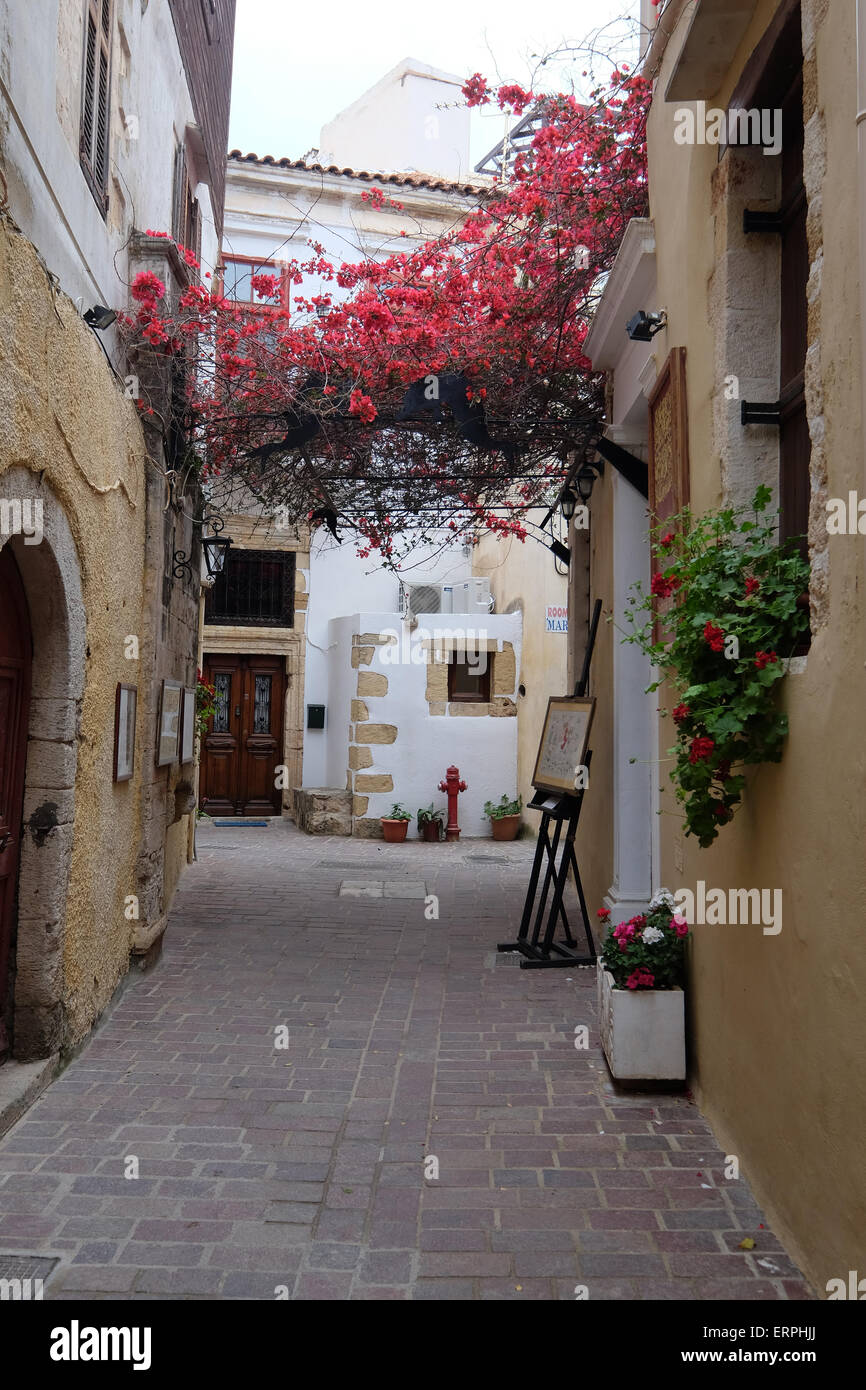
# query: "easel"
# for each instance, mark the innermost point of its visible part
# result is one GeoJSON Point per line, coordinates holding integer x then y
{"type": "Point", "coordinates": [558, 810]}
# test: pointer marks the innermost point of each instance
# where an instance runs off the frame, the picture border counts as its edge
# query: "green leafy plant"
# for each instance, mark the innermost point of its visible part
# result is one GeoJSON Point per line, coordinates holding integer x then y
{"type": "Point", "coordinates": [205, 704]}
{"type": "Point", "coordinates": [397, 813]}
{"type": "Point", "coordinates": [647, 951]}
{"type": "Point", "coordinates": [503, 807]}
{"type": "Point", "coordinates": [736, 611]}
{"type": "Point", "coordinates": [425, 817]}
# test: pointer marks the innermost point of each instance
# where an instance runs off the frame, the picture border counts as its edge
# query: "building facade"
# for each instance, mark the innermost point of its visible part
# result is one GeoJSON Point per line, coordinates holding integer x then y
{"type": "Point", "coordinates": [753, 254]}
{"type": "Point", "coordinates": [114, 122]}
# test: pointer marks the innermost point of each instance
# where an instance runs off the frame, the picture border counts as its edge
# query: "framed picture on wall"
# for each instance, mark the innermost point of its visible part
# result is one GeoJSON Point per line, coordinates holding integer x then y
{"type": "Point", "coordinates": [187, 726]}
{"type": "Point", "coordinates": [168, 742]}
{"type": "Point", "coordinates": [564, 742]}
{"type": "Point", "coordinates": [125, 709]}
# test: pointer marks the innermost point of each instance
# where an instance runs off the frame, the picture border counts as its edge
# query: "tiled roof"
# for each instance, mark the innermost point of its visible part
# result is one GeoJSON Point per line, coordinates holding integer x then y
{"type": "Point", "coordinates": [403, 180]}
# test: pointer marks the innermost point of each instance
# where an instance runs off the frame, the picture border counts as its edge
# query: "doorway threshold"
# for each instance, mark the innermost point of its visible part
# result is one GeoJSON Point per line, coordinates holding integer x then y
{"type": "Point", "coordinates": [233, 824]}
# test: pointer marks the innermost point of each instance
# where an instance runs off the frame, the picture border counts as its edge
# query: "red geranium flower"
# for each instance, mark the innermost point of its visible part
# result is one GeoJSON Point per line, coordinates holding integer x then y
{"type": "Point", "coordinates": [681, 713]}
{"type": "Point", "coordinates": [662, 587]}
{"type": "Point", "coordinates": [701, 749]}
{"type": "Point", "coordinates": [752, 586]}
{"type": "Point", "coordinates": [763, 659]}
{"type": "Point", "coordinates": [641, 979]}
{"type": "Point", "coordinates": [714, 636]}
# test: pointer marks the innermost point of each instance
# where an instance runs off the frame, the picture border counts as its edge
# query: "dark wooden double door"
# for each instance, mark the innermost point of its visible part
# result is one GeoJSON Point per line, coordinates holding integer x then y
{"type": "Point", "coordinates": [244, 745]}
{"type": "Point", "coordinates": [16, 657]}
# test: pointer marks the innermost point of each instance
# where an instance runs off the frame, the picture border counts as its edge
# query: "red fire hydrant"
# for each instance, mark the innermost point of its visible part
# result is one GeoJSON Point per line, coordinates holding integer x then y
{"type": "Point", "coordinates": [452, 785]}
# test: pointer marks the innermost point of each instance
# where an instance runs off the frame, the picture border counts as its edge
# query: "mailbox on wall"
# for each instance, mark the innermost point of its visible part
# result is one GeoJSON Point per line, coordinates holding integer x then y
{"type": "Point", "coordinates": [315, 716]}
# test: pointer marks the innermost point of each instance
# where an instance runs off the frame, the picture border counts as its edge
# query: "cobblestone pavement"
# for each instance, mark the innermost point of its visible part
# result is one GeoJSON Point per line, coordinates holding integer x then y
{"type": "Point", "coordinates": [301, 1169]}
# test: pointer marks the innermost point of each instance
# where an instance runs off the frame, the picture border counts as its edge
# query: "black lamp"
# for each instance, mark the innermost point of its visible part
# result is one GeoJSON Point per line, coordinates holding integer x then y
{"type": "Point", "coordinates": [99, 317]}
{"type": "Point", "coordinates": [215, 549]}
{"type": "Point", "coordinates": [643, 327]}
{"type": "Point", "coordinates": [568, 502]}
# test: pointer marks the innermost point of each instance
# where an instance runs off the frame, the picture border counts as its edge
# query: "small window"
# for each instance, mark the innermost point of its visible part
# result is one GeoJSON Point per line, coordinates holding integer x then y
{"type": "Point", "coordinates": [239, 283]}
{"type": "Point", "coordinates": [95, 100]}
{"type": "Point", "coordinates": [255, 589]}
{"type": "Point", "coordinates": [469, 681]}
{"type": "Point", "coordinates": [186, 213]}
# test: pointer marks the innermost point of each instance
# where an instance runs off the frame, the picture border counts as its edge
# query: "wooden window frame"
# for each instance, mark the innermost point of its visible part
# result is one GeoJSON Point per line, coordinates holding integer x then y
{"type": "Point", "coordinates": [185, 208]}
{"type": "Point", "coordinates": [95, 129]}
{"type": "Point", "coordinates": [460, 697]}
{"type": "Point", "coordinates": [259, 261]}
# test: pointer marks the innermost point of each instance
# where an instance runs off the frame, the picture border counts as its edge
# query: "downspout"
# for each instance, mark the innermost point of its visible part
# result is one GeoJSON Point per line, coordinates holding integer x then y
{"type": "Point", "coordinates": [861, 193]}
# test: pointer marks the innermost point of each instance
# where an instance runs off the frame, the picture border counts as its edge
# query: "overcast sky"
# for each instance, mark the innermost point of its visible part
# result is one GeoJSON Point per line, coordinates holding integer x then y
{"type": "Point", "coordinates": [297, 65]}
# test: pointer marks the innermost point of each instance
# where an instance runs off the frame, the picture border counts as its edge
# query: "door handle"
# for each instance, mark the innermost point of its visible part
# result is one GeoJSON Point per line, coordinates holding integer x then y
{"type": "Point", "coordinates": [4, 840]}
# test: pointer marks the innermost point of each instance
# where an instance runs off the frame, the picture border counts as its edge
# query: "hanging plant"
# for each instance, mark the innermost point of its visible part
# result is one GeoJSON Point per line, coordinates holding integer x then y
{"type": "Point", "coordinates": [735, 611]}
{"type": "Point", "coordinates": [205, 704]}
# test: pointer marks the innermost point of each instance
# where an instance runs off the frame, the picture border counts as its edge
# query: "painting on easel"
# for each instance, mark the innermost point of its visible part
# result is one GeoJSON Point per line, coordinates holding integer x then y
{"type": "Point", "coordinates": [564, 742]}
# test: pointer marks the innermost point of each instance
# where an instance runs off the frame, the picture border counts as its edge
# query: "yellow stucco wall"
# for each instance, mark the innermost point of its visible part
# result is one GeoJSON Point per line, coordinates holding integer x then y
{"type": "Point", "coordinates": [63, 416]}
{"type": "Point", "coordinates": [778, 1022]}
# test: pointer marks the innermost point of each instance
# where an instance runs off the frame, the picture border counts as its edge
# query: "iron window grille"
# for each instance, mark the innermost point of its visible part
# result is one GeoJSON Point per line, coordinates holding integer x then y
{"type": "Point", "coordinates": [256, 589]}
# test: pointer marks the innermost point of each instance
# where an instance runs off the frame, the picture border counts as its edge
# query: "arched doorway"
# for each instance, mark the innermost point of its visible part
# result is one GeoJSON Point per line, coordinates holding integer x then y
{"type": "Point", "coordinates": [47, 572]}
{"type": "Point", "coordinates": [16, 659]}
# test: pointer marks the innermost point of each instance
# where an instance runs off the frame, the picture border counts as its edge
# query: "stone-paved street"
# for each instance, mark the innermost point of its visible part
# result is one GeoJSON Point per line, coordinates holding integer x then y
{"type": "Point", "coordinates": [263, 1167]}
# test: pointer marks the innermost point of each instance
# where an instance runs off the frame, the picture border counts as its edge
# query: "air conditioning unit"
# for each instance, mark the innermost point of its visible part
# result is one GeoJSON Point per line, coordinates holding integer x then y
{"type": "Point", "coordinates": [470, 596]}
{"type": "Point", "coordinates": [427, 598]}
{"type": "Point", "coordinates": [473, 596]}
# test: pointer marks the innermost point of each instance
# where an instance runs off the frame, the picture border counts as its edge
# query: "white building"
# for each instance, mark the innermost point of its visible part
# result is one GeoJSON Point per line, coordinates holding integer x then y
{"type": "Point", "coordinates": [389, 728]}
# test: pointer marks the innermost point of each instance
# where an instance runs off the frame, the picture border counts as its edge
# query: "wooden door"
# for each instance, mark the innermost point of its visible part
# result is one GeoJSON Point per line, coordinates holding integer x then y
{"type": "Point", "coordinates": [16, 656]}
{"type": "Point", "coordinates": [244, 745]}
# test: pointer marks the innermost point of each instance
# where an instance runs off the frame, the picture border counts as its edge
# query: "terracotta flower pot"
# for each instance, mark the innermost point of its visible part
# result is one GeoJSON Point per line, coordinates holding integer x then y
{"type": "Point", "coordinates": [394, 830]}
{"type": "Point", "coordinates": [505, 827]}
{"type": "Point", "coordinates": [430, 830]}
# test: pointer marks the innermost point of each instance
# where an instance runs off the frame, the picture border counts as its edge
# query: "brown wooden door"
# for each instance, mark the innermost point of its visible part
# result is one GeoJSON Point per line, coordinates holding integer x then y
{"type": "Point", "coordinates": [16, 656]}
{"type": "Point", "coordinates": [244, 745]}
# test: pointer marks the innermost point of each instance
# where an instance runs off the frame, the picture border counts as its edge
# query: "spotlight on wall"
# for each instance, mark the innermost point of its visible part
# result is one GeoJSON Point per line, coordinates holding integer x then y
{"type": "Point", "coordinates": [643, 327]}
{"type": "Point", "coordinates": [99, 317]}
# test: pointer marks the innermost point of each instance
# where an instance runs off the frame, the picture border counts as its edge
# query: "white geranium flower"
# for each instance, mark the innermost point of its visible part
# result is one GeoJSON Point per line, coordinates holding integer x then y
{"type": "Point", "coordinates": [650, 935]}
{"type": "Point", "coordinates": [662, 898]}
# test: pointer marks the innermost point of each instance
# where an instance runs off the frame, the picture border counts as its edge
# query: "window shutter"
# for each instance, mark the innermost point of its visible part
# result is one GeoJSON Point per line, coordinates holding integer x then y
{"type": "Point", "coordinates": [95, 104]}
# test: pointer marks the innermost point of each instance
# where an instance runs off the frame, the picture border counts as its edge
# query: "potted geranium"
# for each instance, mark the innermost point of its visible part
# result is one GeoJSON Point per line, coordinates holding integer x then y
{"type": "Point", "coordinates": [396, 824]}
{"type": "Point", "coordinates": [727, 605]}
{"type": "Point", "coordinates": [430, 823]}
{"type": "Point", "coordinates": [504, 816]}
{"type": "Point", "coordinates": [641, 973]}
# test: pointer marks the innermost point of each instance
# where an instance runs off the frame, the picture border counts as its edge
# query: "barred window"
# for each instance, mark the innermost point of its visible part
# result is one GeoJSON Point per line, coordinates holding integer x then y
{"type": "Point", "coordinates": [255, 589]}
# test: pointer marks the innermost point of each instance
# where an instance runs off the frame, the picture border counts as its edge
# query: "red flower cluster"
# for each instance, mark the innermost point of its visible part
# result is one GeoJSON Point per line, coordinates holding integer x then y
{"type": "Point", "coordinates": [714, 637]}
{"type": "Point", "coordinates": [147, 288]}
{"type": "Point", "coordinates": [752, 585]}
{"type": "Point", "coordinates": [681, 713]}
{"type": "Point", "coordinates": [701, 748]}
{"type": "Point", "coordinates": [663, 587]}
{"type": "Point", "coordinates": [763, 659]}
{"type": "Point", "coordinates": [641, 979]}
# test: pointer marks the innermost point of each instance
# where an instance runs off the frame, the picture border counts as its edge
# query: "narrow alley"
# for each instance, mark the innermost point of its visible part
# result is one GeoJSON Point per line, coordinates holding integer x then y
{"type": "Point", "coordinates": [323, 1091]}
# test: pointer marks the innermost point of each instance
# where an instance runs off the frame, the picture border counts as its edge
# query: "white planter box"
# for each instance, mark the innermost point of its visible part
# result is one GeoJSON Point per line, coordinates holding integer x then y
{"type": "Point", "coordinates": [642, 1031]}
